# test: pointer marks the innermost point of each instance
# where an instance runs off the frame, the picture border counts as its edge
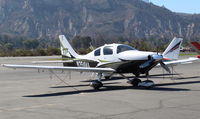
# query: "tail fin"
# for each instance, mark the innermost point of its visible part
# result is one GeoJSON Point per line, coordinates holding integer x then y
{"type": "Point", "coordinates": [197, 46]}
{"type": "Point", "coordinates": [173, 50]}
{"type": "Point", "coordinates": [66, 48]}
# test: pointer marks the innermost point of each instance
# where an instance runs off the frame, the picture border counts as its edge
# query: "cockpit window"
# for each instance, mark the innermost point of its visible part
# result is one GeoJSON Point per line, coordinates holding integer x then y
{"type": "Point", "coordinates": [122, 48]}
{"type": "Point", "coordinates": [108, 50]}
{"type": "Point", "coordinates": [97, 52]}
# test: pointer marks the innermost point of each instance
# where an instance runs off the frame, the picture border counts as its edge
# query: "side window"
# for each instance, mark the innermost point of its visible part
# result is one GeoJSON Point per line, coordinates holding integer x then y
{"type": "Point", "coordinates": [97, 52]}
{"type": "Point", "coordinates": [108, 50]}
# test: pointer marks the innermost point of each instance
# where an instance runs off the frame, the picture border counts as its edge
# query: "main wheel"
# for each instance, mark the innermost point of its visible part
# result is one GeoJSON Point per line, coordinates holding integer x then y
{"type": "Point", "coordinates": [135, 82]}
{"type": "Point", "coordinates": [96, 84]}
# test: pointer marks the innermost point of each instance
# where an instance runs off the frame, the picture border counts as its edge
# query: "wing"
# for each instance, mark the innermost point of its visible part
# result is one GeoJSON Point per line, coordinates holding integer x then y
{"type": "Point", "coordinates": [62, 61]}
{"type": "Point", "coordinates": [54, 61]}
{"type": "Point", "coordinates": [183, 61]}
{"type": "Point", "coordinates": [78, 69]}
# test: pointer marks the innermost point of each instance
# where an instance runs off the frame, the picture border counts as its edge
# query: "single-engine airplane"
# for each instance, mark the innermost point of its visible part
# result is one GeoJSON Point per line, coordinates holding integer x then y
{"type": "Point", "coordinates": [114, 59]}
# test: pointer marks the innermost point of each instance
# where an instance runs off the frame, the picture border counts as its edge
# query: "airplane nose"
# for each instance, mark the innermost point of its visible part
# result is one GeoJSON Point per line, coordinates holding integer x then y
{"type": "Point", "coordinates": [157, 57]}
{"type": "Point", "coordinates": [139, 55]}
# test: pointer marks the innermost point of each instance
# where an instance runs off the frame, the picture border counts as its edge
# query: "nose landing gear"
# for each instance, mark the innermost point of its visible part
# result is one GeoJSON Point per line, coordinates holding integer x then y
{"type": "Point", "coordinates": [146, 84]}
{"type": "Point", "coordinates": [136, 82]}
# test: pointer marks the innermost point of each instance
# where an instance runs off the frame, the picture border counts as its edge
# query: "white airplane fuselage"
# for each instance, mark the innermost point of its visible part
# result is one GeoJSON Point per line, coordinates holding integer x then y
{"type": "Point", "coordinates": [122, 58]}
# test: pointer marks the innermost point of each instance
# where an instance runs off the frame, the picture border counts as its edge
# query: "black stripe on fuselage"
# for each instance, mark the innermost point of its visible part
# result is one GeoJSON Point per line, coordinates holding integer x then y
{"type": "Point", "coordinates": [120, 67]}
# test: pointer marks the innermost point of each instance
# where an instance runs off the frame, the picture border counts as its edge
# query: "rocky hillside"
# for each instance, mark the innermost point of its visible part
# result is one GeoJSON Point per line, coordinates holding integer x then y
{"type": "Point", "coordinates": [109, 18]}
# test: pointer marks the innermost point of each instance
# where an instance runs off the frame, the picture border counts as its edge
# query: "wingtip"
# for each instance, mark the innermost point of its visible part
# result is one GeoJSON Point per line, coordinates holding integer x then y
{"type": "Point", "coordinates": [3, 65]}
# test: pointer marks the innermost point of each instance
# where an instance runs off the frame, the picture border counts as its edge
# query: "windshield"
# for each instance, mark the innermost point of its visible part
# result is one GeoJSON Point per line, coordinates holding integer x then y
{"type": "Point", "coordinates": [122, 48]}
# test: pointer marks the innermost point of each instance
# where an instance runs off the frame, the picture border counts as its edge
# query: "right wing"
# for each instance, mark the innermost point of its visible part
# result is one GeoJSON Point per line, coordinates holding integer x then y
{"type": "Point", "coordinates": [183, 61]}
{"type": "Point", "coordinates": [78, 69]}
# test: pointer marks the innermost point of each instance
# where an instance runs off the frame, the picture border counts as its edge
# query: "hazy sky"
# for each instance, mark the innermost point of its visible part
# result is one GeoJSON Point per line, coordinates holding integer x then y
{"type": "Point", "coordinates": [186, 6]}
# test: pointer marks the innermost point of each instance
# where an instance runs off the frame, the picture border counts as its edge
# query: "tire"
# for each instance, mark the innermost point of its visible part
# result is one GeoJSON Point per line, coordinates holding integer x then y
{"type": "Point", "coordinates": [135, 82]}
{"type": "Point", "coordinates": [96, 84]}
{"type": "Point", "coordinates": [149, 81]}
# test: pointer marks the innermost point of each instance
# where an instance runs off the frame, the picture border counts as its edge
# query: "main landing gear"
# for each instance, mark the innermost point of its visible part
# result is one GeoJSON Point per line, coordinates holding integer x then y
{"type": "Point", "coordinates": [96, 84]}
{"type": "Point", "coordinates": [136, 82]}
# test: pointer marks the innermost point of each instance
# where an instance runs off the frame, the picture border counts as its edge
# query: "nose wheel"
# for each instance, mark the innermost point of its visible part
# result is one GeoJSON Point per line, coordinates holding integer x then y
{"type": "Point", "coordinates": [134, 82]}
{"type": "Point", "coordinates": [96, 84]}
{"type": "Point", "coordinates": [138, 83]}
{"type": "Point", "coordinates": [147, 84]}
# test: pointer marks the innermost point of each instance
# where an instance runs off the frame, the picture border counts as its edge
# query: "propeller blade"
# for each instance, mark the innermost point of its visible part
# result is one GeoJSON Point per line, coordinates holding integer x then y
{"type": "Point", "coordinates": [163, 65]}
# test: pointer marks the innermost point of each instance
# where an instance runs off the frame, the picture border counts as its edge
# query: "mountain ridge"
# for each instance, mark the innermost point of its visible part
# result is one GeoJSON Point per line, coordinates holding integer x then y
{"type": "Point", "coordinates": [108, 18]}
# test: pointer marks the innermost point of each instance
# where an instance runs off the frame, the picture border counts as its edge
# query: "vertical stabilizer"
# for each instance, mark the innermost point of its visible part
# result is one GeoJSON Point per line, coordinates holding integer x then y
{"type": "Point", "coordinates": [66, 48]}
{"type": "Point", "coordinates": [197, 46]}
{"type": "Point", "coordinates": [173, 50]}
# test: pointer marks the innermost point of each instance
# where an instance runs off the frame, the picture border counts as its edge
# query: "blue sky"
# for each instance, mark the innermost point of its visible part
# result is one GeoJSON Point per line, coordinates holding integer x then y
{"type": "Point", "coordinates": [185, 6]}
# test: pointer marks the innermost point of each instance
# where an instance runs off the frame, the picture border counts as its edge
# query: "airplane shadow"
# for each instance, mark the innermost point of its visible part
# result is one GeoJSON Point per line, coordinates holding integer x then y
{"type": "Point", "coordinates": [183, 78]}
{"type": "Point", "coordinates": [106, 87]}
{"type": "Point", "coordinates": [131, 77]}
{"type": "Point", "coordinates": [115, 88]}
{"type": "Point", "coordinates": [83, 85]}
{"type": "Point", "coordinates": [177, 83]}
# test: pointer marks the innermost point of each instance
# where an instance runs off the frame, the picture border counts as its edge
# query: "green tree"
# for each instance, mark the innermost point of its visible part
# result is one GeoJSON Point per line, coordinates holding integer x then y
{"type": "Point", "coordinates": [81, 42]}
{"type": "Point", "coordinates": [30, 44]}
{"type": "Point", "coordinates": [9, 46]}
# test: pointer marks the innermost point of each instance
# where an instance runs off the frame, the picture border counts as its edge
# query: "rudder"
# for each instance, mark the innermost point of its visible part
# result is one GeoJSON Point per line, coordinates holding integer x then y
{"type": "Point", "coordinates": [66, 48]}
{"type": "Point", "coordinates": [173, 50]}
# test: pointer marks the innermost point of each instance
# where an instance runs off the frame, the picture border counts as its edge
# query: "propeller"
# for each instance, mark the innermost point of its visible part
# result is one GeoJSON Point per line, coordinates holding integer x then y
{"type": "Point", "coordinates": [164, 66]}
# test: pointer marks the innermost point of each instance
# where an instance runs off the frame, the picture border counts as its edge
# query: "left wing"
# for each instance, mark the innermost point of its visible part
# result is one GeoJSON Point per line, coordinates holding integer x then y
{"type": "Point", "coordinates": [78, 69]}
{"type": "Point", "coordinates": [54, 61]}
{"type": "Point", "coordinates": [62, 61]}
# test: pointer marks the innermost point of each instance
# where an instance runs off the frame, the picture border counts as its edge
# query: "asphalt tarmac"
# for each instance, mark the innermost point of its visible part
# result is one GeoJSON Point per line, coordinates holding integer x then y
{"type": "Point", "coordinates": [33, 94]}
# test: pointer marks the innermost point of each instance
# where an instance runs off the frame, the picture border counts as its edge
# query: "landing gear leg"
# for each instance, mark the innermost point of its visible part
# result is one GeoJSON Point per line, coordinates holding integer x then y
{"type": "Point", "coordinates": [108, 76]}
{"type": "Point", "coordinates": [134, 81]}
{"type": "Point", "coordinates": [97, 83]}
